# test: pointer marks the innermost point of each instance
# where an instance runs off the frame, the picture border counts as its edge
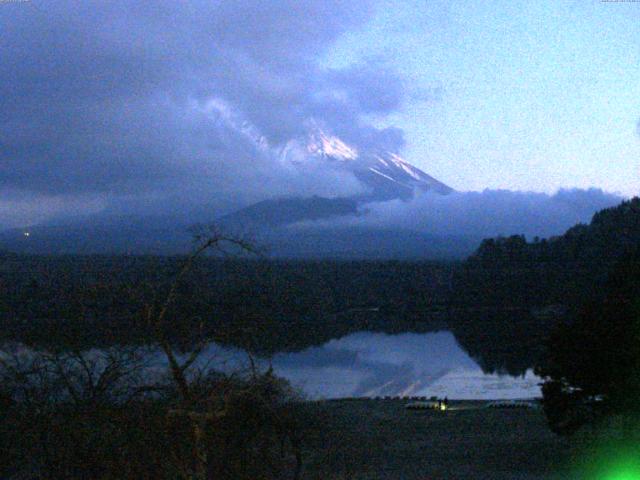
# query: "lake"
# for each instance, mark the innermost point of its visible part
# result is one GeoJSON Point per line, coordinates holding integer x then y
{"type": "Point", "coordinates": [367, 364]}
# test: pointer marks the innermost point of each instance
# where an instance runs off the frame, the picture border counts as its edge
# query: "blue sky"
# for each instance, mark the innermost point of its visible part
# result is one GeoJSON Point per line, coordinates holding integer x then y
{"type": "Point", "coordinates": [521, 95]}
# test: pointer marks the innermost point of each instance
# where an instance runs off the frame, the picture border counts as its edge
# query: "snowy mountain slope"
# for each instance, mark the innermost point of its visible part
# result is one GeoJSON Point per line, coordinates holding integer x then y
{"type": "Point", "coordinates": [385, 174]}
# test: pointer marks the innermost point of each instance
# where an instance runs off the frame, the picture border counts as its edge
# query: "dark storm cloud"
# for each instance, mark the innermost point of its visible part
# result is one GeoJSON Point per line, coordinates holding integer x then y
{"type": "Point", "coordinates": [107, 97]}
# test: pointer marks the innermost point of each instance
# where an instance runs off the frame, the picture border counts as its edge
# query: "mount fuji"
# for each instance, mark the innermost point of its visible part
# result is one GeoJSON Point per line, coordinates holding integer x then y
{"type": "Point", "coordinates": [285, 226]}
{"type": "Point", "coordinates": [383, 175]}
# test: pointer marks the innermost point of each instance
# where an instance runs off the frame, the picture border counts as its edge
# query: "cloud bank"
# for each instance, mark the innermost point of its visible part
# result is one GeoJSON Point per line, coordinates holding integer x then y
{"type": "Point", "coordinates": [131, 107]}
{"type": "Point", "coordinates": [185, 99]}
{"type": "Point", "coordinates": [480, 214]}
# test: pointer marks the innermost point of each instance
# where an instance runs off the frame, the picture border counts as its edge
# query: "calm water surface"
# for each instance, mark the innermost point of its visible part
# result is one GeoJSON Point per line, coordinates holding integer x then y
{"type": "Point", "coordinates": [377, 364]}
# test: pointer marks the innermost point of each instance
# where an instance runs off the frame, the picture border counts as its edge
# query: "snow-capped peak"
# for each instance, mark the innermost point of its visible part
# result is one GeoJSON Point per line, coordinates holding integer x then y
{"type": "Point", "coordinates": [330, 146]}
{"type": "Point", "coordinates": [409, 169]}
{"type": "Point", "coordinates": [385, 174]}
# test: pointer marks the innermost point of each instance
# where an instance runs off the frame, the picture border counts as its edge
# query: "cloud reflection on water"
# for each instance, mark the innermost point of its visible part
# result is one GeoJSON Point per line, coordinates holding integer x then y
{"type": "Point", "coordinates": [377, 364]}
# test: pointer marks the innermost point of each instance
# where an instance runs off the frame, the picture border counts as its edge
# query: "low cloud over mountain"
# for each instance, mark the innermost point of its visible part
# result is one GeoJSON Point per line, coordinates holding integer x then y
{"type": "Point", "coordinates": [139, 107]}
{"type": "Point", "coordinates": [196, 110]}
{"type": "Point", "coordinates": [480, 214]}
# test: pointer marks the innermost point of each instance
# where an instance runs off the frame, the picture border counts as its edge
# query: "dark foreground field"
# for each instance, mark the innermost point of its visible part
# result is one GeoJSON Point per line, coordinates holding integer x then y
{"type": "Point", "coordinates": [379, 439]}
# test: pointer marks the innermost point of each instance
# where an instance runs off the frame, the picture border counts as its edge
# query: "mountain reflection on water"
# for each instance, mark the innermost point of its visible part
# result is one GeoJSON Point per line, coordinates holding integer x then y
{"type": "Point", "coordinates": [377, 364]}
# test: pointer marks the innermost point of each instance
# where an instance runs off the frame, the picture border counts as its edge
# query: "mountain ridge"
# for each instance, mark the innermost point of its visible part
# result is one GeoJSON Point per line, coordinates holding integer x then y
{"type": "Point", "coordinates": [384, 173]}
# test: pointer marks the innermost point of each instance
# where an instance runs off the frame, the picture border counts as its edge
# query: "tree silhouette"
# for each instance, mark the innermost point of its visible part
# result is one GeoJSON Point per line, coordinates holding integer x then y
{"type": "Point", "coordinates": [593, 363]}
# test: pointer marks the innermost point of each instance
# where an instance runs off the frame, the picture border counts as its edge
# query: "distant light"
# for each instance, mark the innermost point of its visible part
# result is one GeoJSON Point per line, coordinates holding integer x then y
{"type": "Point", "coordinates": [26, 234]}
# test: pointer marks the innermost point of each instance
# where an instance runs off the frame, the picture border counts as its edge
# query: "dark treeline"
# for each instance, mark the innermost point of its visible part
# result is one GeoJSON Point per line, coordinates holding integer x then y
{"type": "Point", "coordinates": [501, 303]}
{"type": "Point", "coordinates": [73, 412]}
{"type": "Point", "coordinates": [511, 293]}
{"type": "Point", "coordinates": [592, 364]}
{"type": "Point", "coordinates": [67, 411]}
{"type": "Point", "coordinates": [263, 306]}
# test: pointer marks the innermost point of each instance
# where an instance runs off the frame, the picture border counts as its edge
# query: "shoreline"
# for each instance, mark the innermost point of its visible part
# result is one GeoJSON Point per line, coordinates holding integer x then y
{"type": "Point", "coordinates": [362, 439]}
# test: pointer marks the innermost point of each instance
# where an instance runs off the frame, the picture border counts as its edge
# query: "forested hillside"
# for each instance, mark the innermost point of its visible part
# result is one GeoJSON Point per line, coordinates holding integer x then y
{"type": "Point", "coordinates": [501, 303]}
{"type": "Point", "coordinates": [262, 305]}
{"type": "Point", "coordinates": [512, 292]}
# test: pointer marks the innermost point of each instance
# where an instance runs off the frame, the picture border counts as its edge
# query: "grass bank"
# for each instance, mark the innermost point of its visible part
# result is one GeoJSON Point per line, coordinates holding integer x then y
{"type": "Point", "coordinates": [380, 439]}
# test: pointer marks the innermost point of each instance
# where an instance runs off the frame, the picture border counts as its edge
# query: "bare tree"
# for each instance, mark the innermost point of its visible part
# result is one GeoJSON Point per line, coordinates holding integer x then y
{"type": "Point", "coordinates": [206, 240]}
{"type": "Point", "coordinates": [110, 413]}
{"type": "Point", "coordinates": [195, 402]}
